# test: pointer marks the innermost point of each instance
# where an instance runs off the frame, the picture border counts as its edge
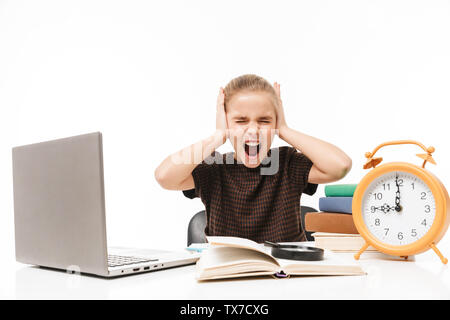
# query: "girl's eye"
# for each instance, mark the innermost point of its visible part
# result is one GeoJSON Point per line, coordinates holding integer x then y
{"type": "Point", "coordinates": [241, 121]}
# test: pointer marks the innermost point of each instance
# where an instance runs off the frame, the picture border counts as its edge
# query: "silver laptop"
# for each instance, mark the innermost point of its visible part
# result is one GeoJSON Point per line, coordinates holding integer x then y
{"type": "Point", "coordinates": [59, 212]}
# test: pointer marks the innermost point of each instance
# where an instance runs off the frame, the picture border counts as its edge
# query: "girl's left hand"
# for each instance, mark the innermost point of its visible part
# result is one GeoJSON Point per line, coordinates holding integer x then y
{"type": "Point", "coordinates": [281, 120]}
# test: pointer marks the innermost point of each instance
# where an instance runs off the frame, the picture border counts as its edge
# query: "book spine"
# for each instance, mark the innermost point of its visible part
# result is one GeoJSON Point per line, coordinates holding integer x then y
{"type": "Point", "coordinates": [340, 190]}
{"type": "Point", "coordinates": [336, 204]}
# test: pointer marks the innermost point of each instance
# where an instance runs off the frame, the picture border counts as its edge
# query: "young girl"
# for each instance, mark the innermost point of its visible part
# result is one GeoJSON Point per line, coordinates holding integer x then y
{"type": "Point", "coordinates": [255, 191]}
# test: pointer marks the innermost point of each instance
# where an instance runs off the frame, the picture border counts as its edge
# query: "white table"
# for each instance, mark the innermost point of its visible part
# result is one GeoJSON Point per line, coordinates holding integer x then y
{"type": "Point", "coordinates": [424, 278]}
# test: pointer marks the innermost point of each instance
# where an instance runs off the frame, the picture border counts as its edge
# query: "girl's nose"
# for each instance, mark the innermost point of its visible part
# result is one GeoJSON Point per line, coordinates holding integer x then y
{"type": "Point", "coordinates": [253, 128]}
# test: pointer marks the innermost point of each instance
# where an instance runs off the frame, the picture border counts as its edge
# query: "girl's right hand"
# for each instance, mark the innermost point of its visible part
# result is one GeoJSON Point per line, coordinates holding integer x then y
{"type": "Point", "coordinates": [221, 118]}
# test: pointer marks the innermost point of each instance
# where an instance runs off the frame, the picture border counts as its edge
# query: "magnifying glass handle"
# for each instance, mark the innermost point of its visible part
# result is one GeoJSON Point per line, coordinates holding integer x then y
{"type": "Point", "coordinates": [271, 244]}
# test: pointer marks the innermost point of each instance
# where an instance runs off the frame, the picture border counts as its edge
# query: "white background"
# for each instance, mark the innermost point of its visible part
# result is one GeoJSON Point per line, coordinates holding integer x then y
{"type": "Point", "coordinates": [147, 73]}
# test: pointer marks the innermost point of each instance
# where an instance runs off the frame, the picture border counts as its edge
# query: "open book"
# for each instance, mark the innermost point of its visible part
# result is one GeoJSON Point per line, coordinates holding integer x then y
{"type": "Point", "coordinates": [231, 257]}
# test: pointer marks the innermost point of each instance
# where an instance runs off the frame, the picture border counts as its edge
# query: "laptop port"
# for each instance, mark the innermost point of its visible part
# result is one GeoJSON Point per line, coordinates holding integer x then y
{"type": "Point", "coordinates": [146, 268]}
{"type": "Point", "coordinates": [137, 269]}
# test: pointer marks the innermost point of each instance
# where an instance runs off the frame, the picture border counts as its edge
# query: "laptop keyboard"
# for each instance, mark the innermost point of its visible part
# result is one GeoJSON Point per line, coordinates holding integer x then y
{"type": "Point", "coordinates": [115, 260]}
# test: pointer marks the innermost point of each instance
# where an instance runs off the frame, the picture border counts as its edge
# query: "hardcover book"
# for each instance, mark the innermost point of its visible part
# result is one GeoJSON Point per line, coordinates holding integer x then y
{"type": "Point", "coordinates": [340, 190]}
{"type": "Point", "coordinates": [340, 242]}
{"type": "Point", "coordinates": [330, 222]}
{"type": "Point", "coordinates": [336, 204]}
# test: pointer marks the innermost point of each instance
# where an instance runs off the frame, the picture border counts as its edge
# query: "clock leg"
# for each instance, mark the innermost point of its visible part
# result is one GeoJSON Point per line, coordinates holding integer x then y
{"type": "Point", "coordinates": [436, 250]}
{"type": "Point", "coordinates": [358, 254]}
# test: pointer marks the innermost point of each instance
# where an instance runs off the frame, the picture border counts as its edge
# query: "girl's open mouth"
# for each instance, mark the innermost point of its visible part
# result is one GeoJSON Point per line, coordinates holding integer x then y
{"type": "Point", "coordinates": [252, 149]}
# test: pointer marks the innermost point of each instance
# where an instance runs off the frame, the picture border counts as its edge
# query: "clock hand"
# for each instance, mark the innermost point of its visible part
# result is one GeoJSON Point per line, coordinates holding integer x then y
{"type": "Point", "coordinates": [389, 208]}
{"type": "Point", "coordinates": [398, 207]}
{"type": "Point", "coordinates": [385, 208]}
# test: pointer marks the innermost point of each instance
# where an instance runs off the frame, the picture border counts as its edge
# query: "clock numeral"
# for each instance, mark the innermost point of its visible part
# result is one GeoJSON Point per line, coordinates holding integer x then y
{"type": "Point", "coordinates": [378, 196]}
{"type": "Point", "coordinates": [377, 222]}
{"type": "Point", "coordinates": [412, 184]}
{"type": "Point", "coordinates": [427, 208]}
{"type": "Point", "coordinates": [386, 186]}
{"type": "Point", "coordinates": [373, 209]}
{"type": "Point", "coordinates": [400, 182]}
{"type": "Point", "coordinates": [413, 233]}
{"type": "Point", "coordinates": [424, 222]}
{"type": "Point", "coordinates": [423, 196]}
{"type": "Point", "coordinates": [400, 236]}
{"type": "Point", "coordinates": [387, 230]}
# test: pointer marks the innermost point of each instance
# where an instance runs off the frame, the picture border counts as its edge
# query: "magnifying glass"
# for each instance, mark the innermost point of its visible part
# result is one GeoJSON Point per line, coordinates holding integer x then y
{"type": "Point", "coordinates": [295, 252]}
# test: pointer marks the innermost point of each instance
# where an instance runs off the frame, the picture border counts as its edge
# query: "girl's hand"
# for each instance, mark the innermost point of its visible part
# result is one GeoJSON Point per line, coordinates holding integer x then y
{"type": "Point", "coordinates": [281, 120]}
{"type": "Point", "coordinates": [221, 118]}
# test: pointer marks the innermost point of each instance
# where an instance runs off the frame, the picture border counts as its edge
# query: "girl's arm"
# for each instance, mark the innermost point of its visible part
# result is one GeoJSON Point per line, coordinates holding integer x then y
{"type": "Point", "coordinates": [329, 162]}
{"type": "Point", "coordinates": [175, 172]}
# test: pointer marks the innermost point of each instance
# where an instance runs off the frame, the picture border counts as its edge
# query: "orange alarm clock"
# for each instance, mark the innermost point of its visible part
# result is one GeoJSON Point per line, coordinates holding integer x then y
{"type": "Point", "coordinates": [399, 208]}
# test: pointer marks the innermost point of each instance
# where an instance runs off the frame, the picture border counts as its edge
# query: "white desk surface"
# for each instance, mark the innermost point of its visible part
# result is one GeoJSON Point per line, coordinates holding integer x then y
{"type": "Point", "coordinates": [424, 278]}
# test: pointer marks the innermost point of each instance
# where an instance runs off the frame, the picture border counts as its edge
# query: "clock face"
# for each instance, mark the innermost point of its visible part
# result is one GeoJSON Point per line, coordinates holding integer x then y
{"type": "Point", "coordinates": [398, 208]}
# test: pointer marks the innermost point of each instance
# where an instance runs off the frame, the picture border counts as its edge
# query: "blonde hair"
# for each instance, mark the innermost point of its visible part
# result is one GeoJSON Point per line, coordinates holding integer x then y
{"type": "Point", "coordinates": [249, 82]}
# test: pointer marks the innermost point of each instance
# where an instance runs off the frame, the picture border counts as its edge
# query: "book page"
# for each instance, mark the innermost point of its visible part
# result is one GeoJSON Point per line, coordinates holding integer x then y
{"type": "Point", "coordinates": [237, 242]}
{"type": "Point", "coordinates": [225, 261]}
{"type": "Point", "coordinates": [217, 257]}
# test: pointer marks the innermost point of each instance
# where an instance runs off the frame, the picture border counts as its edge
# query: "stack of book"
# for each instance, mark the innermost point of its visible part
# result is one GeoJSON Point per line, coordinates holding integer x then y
{"type": "Point", "coordinates": [333, 226]}
{"type": "Point", "coordinates": [335, 208]}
